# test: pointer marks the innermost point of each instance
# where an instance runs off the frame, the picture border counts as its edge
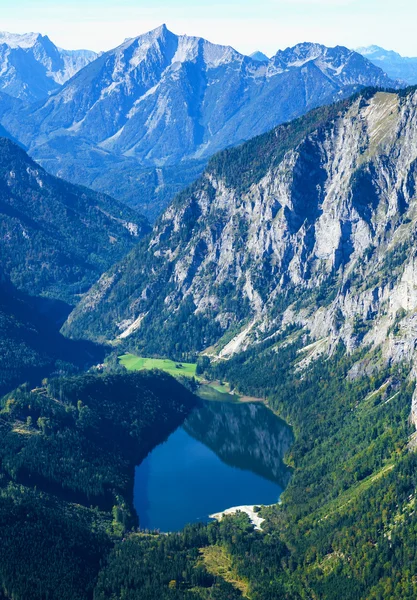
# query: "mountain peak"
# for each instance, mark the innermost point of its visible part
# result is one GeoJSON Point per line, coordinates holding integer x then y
{"type": "Point", "coordinates": [175, 48]}
{"type": "Point", "coordinates": [298, 55]}
{"type": "Point", "coordinates": [364, 50]}
{"type": "Point", "coordinates": [259, 56]}
{"type": "Point", "coordinates": [377, 52]}
{"type": "Point", "coordinates": [33, 67]}
{"type": "Point", "coordinates": [19, 40]}
{"type": "Point", "coordinates": [154, 34]}
{"type": "Point", "coordinates": [161, 98]}
{"type": "Point", "coordinates": [161, 29]}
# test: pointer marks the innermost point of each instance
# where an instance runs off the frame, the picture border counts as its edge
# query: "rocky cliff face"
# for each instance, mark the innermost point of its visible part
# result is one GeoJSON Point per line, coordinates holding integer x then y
{"type": "Point", "coordinates": [313, 224]}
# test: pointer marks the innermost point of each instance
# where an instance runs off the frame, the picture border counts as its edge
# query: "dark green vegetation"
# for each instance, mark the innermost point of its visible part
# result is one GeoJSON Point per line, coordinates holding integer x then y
{"type": "Point", "coordinates": [30, 345]}
{"type": "Point", "coordinates": [347, 528]}
{"type": "Point", "coordinates": [173, 567]}
{"type": "Point", "coordinates": [64, 448]}
{"type": "Point", "coordinates": [57, 238]}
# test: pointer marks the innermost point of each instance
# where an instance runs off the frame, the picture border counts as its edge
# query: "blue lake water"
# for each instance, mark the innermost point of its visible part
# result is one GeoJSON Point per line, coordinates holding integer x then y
{"type": "Point", "coordinates": [224, 455]}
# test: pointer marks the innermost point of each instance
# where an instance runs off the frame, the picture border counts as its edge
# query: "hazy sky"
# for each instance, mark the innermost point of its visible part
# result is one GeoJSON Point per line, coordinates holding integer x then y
{"type": "Point", "coordinates": [247, 25]}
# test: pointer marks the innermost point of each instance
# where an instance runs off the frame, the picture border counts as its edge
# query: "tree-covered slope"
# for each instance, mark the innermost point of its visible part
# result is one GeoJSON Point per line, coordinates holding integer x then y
{"type": "Point", "coordinates": [31, 346]}
{"type": "Point", "coordinates": [56, 238]}
{"type": "Point", "coordinates": [346, 527]}
{"type": "Point", "coordinates": [66, 448]}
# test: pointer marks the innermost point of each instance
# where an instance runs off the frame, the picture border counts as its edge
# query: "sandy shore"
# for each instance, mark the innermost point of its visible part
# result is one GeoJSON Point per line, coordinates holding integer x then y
{"type": "Point", "coordinates": [254, 517]}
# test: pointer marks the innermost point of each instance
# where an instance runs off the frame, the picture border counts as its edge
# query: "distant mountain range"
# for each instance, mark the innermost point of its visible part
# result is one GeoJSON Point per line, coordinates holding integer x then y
{"type": "Point", "coordinates": [140, 121]}
{"type": "Point", "coordinates": [395, 65]}
{"type": "Point", "coordinates": [32, 67]}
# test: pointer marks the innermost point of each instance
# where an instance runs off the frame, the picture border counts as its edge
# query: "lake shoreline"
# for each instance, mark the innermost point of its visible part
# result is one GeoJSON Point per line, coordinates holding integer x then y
{"type": "Point", "coordinates": [253, 514]}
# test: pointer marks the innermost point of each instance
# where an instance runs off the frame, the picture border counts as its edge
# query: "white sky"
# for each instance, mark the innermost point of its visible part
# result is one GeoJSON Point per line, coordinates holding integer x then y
{"type": "Point", "coordinates": [265, 25]}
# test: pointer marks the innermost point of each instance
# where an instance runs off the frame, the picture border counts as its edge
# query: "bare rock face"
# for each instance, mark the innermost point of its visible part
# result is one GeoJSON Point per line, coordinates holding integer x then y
{"type": "Point", "coordinates": [313, 224]}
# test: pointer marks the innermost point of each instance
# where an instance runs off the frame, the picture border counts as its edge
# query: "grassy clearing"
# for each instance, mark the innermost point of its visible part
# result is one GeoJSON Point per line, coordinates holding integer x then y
{"type": "Point", "coordinates": [209, 390]}
{"type": "Point", "coordinates": [137, 363]}
{"type": "Point", "coordinates": [219, 563]}
{"type": "Point", "coordinates": [218, 391]}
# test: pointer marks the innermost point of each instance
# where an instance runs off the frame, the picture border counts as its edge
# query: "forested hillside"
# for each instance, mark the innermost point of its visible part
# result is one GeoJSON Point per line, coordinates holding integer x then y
{"type": "Point", "coordinates": [31, 346]}
{"type": "Point", "coordinates": [56, 239]}
{"type": "Point", "coordinates": [65, 448]}
{"type": "Point", "coordinates": [346, 529]}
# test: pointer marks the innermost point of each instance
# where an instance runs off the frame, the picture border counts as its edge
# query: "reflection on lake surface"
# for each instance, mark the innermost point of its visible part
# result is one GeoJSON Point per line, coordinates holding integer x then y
{"type": "Point", "coordinates": [224, 455]}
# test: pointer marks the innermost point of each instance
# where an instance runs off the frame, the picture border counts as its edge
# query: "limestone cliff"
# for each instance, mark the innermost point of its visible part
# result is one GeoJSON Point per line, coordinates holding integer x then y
{"type": "Point", "coordinates": [312, 224]}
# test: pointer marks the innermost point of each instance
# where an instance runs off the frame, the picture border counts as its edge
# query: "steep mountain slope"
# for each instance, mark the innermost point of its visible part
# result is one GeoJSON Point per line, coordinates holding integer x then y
{"type": "Point", "coordinates": [31, 66]}
{"type": "Point", "coordinates": [30, 345]}
{"type": "Point", "coordinates": [392, 63]}
{"type": "Point", "coordinates": [162, 99]}
{"type": "Point", "coordinates": [57, 238]}
{"type": "Point", "coordinates": [311, 225]}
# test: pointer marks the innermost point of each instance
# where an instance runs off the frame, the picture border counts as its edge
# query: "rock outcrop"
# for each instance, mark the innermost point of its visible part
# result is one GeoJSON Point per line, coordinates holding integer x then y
{"type": "Point", "coordinates": [313, 225]}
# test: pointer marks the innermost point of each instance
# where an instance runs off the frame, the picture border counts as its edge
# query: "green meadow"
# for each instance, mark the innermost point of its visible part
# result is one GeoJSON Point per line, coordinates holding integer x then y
{"type": "Point", "coordinates": [137, 363]}
{"type": "Point", "coordinates": [215, 390]}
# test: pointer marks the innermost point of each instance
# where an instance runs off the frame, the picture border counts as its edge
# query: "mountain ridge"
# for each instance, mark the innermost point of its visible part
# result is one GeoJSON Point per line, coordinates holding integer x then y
{"type": "Point", "coordinates": [160, 100]}
{"type": "Point", "coordinates": [397, 66]}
